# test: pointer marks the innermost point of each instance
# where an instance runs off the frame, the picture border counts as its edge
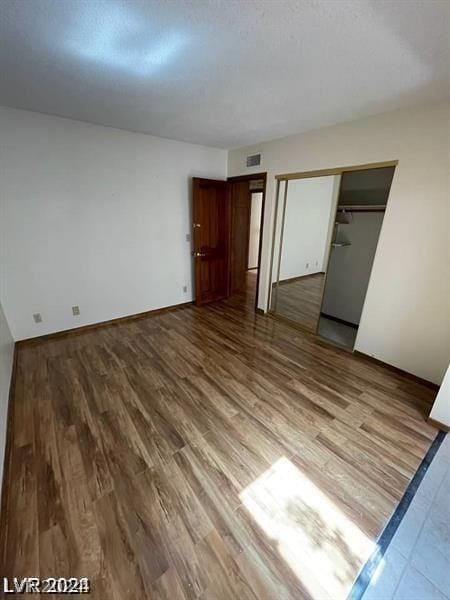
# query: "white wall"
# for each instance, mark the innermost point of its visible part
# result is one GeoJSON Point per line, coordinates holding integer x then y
{"type": "Point", "coordinates": [94, 217]}
{"type": "Point", "coordinates": [307, 217]}
{"type": "Point", "coordinates": [441, 407]}
{"type": "Point", "coordinates": [350, 266]}
{"type": "Point", "coordinates": [255, 227]}
{"type": "Point", "coordinates": [405, 321]}
{"type": "Point", "coordinates": [6, 363]}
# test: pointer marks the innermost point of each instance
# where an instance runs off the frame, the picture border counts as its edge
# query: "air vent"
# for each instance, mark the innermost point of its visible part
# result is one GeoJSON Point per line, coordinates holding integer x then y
{"type": "Point", "coordinates": [254, 160]}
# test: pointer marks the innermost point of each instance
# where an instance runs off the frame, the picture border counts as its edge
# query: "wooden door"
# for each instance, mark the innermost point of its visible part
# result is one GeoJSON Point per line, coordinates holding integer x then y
{"type": "Point", "coordinates": [240, 233]}
{"type": "Point", "coordinates": [211, 226]}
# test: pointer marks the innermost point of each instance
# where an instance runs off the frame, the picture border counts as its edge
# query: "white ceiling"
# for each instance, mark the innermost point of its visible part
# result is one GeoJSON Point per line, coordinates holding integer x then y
{"type": "Point", "coordinates": [223, 73]}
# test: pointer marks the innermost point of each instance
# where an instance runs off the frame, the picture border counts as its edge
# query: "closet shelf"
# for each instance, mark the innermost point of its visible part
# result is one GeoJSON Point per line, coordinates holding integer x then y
{"type": "Point", "coordinates": [340, 244]}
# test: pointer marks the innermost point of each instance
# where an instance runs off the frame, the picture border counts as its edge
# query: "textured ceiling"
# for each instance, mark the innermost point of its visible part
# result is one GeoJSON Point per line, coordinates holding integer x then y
{"type": "Point", "coordinates": [222, 73]}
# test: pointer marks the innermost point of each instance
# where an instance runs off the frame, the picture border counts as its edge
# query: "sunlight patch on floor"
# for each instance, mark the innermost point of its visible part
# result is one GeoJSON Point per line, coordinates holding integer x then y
{"type": "Point", "coordinates": [321, 545]}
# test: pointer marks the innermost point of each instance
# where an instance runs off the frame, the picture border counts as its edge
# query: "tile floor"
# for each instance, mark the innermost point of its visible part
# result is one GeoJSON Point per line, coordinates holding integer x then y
{"type": "Point", "coordinates": [416, 565]}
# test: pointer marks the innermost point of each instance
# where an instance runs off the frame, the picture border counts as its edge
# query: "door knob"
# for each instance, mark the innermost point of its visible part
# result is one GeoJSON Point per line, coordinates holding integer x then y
{"type": "Point", "coordinates": [198, 254]}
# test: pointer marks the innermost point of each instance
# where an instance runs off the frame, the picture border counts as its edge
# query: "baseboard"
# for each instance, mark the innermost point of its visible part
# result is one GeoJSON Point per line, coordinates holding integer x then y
{"type": "Point", "coordinates": [410, 376]}
{"type": "Point", "coordinates": [118, 321]}
{"type": "Point", "coordinates": [338, 320]}
{"type": "Point", "coordinates": [6, 461]}
{"type": "Point", "coordinates": [438, 425]}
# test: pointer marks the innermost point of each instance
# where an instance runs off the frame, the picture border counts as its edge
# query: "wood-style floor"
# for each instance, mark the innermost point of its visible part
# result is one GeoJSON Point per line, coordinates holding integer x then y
{"type": "Point", "coordinates": [205, 453]}
{"type": "Point", "coordinates": [300, 299]}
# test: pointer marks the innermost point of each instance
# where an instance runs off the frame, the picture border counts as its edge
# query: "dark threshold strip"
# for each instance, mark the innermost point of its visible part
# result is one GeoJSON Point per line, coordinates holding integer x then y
{"type": "Point", "coordinates": [368, 570]}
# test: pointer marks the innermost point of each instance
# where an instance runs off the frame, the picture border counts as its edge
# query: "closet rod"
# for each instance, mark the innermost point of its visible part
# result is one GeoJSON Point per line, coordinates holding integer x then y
{"type": "Point", "coordinates": [362, 208]}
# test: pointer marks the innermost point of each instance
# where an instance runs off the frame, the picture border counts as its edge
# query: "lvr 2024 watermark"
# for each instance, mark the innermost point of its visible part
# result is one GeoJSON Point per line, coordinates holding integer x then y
{"type": "Point", "coordinates": [49, 585]}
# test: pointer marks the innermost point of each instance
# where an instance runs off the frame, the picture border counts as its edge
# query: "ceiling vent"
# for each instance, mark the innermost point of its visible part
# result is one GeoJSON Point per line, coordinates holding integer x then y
{"type": "Point", "coordinates": [254, 160]}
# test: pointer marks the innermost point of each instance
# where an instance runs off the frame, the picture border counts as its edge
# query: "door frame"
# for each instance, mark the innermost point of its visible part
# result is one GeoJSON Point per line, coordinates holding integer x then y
{"type": "Point", "coordinates": [254, 177]}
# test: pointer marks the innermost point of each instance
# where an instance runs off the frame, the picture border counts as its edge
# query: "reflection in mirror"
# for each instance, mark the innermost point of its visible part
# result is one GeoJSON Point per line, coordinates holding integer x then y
{"type": "Point", "coordinates": [304, 228]}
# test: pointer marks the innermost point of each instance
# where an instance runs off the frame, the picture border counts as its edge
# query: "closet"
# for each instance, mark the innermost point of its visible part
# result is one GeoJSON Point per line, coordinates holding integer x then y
{"type": "Point", "coordinates": [325, 239]}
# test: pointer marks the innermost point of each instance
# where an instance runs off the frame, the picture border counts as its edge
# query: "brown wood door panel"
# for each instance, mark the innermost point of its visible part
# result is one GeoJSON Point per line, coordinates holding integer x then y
{"type": "Point", "coordinates": [211, 226]}
{"type": "Point", "coordinates": [240, 232]}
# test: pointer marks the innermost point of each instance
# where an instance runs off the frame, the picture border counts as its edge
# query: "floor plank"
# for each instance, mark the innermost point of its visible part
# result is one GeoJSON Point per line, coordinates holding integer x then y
{"type": "Point", "coordinates": [206, 453]}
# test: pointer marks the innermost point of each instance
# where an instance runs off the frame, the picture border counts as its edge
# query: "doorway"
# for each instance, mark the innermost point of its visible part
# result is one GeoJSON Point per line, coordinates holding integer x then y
{"type": "Point", "coordinates": [327, 225]}
{"type": "Point", "coordinates": [247, 214]}
{"type": "Point", "coordinates": [228, 219]}
{"type": "Point", "coordinates": [256, 199]}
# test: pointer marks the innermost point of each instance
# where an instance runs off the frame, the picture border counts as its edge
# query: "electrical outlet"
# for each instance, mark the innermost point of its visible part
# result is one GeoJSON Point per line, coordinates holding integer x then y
{"type": "Point", "coordinates": [185, 289]}
{"type": "Point", "coordinates": [317, 263]}
{"type": "Point", "coordinates": [37, 318]}
{"type": "Point", "coordinates": [75, 311]}
{"type": "Point", "coordinates": [188, 237]}
{"type": "Point", "coordinates": [307, 266]}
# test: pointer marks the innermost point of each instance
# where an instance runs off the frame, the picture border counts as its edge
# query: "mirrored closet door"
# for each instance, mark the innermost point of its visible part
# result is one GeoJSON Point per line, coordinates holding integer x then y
{"type": "Point", "coordinates": [305, 219]}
